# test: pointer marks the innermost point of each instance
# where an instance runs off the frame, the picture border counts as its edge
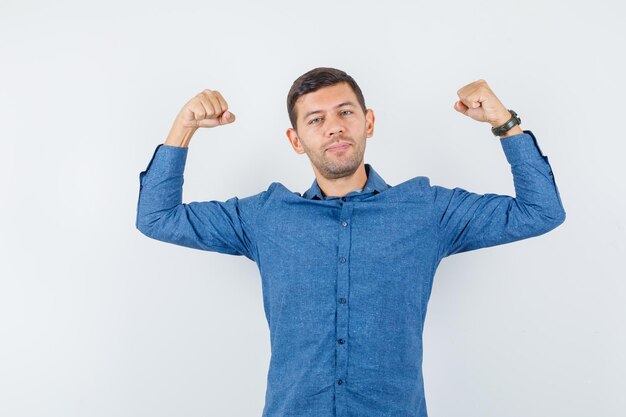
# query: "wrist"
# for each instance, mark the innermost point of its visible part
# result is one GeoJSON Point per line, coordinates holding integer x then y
{"type": "Point", "coordinates": [501, 119]}
{"type": "Point", "coordinates": [507, 128]}
{"type": "Point", "coordinates": [180, 135]}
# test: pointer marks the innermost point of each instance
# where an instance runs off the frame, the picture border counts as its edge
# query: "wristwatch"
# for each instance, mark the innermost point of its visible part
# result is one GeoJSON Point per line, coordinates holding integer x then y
{"type": "Point", "coordinates": [501, 130]}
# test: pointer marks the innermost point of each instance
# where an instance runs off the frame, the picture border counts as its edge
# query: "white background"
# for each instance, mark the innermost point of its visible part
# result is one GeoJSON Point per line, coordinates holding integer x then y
{"type": "Point", "coordinates": [98, 320]}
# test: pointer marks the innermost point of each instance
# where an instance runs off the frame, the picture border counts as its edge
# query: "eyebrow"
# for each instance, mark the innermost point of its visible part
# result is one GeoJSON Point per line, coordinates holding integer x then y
{"type": "Point", "coordinates": [345, 103]}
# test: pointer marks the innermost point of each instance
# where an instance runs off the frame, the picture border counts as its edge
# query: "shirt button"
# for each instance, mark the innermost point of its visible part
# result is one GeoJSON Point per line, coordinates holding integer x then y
{"type": "Point", "coordinates": [341, 341]}
{"type": "Point", "coordinates": [344, 223]}
{"type": "Point", "coordinates": [342, 259]}
{"type": "Point", "coordinates": [340, 381]}
{"type": "Point", "coordinates": [343, 199]}
{"type": "Point", "coordinates": [550, 173]}
{"type": "Point", "coordinates": [342, 300]}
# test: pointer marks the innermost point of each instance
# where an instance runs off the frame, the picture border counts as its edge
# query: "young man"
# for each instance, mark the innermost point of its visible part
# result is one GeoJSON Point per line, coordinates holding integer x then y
{"type": "Point", "coordinates": [347, 267]}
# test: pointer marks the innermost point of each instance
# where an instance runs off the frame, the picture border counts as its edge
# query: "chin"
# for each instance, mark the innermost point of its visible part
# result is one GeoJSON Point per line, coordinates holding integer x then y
{"type": "Point", "coordinates": [332, 171]}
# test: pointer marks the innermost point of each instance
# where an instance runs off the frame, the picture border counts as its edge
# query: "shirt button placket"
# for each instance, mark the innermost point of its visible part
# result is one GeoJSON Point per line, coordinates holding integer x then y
{"type": "Point", "coordinates": [343, 283]}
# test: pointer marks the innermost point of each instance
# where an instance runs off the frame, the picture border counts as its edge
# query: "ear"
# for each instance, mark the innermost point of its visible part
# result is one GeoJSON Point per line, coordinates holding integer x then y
{"type": "Point", "coordinates": [292, 135]}
{"type": "Point", "coordinates": [369, 122]}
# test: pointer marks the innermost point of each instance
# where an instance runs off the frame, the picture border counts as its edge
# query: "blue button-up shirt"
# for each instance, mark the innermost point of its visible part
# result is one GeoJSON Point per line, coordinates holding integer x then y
{"type": "Point", "coordinates": [346, 280]}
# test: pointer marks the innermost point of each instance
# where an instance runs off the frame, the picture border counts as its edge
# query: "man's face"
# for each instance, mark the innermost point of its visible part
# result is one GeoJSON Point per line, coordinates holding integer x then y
{"type": "Point", "coordinates": [326, 118]}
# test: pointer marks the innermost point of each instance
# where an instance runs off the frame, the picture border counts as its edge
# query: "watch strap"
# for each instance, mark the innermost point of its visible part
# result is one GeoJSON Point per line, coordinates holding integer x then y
{"type": "Point", "coordinates": [513, 121]}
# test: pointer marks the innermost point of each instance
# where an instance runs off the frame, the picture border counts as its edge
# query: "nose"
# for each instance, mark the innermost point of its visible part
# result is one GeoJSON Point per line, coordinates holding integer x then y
{"type": "Point", "coordinates": [335, 131]}
{"type": "Point", "coordinates": [335, 127]}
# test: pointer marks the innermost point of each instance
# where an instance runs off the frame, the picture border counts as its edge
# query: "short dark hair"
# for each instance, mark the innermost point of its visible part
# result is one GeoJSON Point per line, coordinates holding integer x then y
{"type": "Point", "coordinates": [315, 79]}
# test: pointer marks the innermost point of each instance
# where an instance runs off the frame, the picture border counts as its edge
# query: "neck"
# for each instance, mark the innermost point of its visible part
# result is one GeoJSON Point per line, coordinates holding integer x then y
{"type": "Point", "coordinates": [339, 187]}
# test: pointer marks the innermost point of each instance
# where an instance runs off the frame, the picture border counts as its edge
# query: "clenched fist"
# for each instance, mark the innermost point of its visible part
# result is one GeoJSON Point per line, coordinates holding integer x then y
{"type": "Point", "coordinates": [480, 103]}
{"type": "Point", "coordinates": [206, 109]}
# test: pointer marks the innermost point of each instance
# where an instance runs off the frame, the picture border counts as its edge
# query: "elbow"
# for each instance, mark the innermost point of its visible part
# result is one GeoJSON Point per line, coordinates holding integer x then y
{"type": "Point", "coordinates": [157, 225]}
{"type": "Point", "coordinates": [561, 218]}
{"type": "Point", "coordinates": [147, 224]}
{"type": "Point", "coordinates": [552, 221]}
{"type": "Point", "coordinates": [147, 220]}
{"type": "Point", "coordinates": [142, 226]}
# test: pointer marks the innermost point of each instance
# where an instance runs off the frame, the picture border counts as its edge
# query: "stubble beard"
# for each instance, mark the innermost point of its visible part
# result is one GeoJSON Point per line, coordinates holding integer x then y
{"type": "Point", "coordinates": [337, 166]}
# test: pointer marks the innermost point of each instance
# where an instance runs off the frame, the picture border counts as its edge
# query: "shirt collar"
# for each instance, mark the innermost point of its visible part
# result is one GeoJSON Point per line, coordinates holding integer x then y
{"type": "Point", "coordinates": [375, 184]}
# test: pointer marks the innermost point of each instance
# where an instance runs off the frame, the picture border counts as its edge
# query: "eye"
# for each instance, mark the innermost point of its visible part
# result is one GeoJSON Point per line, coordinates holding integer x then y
{"type": "Point", "coordinates": [349, 111]}
{"type": "Point", "coordinates": [312, 120]}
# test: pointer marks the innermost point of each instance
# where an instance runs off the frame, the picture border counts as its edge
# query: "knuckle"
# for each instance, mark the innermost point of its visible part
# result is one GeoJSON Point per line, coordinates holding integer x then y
{"type": "Point", "coordinates": [199, 111]}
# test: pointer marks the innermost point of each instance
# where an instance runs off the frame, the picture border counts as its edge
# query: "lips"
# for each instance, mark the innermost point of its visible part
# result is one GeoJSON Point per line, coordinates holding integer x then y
{"type": "Point", "coordinates": [338, 147]}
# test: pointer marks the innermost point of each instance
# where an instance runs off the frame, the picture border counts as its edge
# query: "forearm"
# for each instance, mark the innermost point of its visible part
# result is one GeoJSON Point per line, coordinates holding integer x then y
{"type": "Point", "coordinates": [161, 186]}
{"type": "Point", "coordinates": [536, 192]}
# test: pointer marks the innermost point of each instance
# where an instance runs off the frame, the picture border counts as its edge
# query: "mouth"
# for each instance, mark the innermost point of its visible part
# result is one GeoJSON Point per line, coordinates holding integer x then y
{"type": "Point", "coordinates": [342, 146]}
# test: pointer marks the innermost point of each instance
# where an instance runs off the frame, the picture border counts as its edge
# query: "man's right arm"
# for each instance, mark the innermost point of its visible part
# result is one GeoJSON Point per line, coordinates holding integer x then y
{"type": "Point", "coordinates": [220, 226]}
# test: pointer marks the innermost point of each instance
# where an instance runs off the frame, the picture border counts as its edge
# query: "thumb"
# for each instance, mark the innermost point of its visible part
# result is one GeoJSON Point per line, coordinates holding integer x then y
{"type": "Point", "coordinates": [227, 117]}
{"type": "Point", "coordinates": [460, 107]}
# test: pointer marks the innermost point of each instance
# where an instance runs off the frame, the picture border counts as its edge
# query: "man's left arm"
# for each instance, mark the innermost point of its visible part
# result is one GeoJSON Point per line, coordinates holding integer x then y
{"type": "Point", "coordinates": [469, 221]}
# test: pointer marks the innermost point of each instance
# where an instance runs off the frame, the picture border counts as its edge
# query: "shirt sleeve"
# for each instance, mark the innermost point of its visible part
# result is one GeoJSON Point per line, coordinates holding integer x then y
{"type": "Point", "coordinates": [218, 226]}
{"type": "Point", "coordinates": [469, 221]}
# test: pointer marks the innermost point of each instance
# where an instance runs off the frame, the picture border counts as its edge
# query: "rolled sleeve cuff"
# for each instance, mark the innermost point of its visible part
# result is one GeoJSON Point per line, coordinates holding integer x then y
{"type": "Point", "coordinates": [166, 161]}
{"type": "Point", "coordinates": [521, 147]}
